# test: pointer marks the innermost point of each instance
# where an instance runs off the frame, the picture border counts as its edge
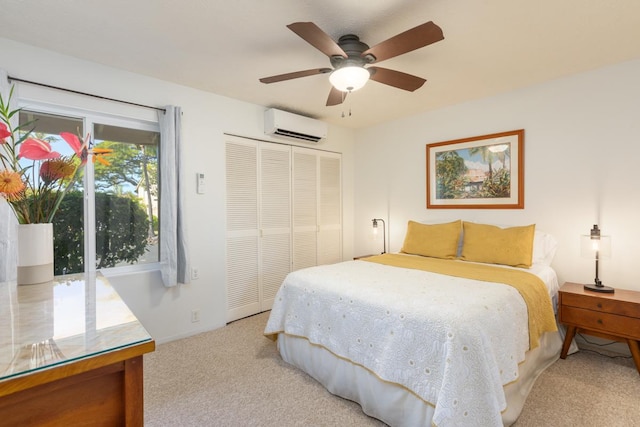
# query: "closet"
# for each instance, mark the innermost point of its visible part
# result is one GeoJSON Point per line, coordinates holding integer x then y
{"type": "Point", "coordinates": [284, 213]}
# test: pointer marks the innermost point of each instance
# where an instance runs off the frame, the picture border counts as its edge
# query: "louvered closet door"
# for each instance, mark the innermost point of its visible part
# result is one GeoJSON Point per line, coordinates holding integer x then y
{"type": "Point", "coordinates": [275, 219]}
{"type": "Point", "coordinates": [305, 208]}
{"type": "Point", "coordinates": [317, 208]}
{"type": "Point", "coordinates": [283, 212]}
{"type": "Point", "coordinates": [330, 209]}
{"type": "Point", "coordinates": [243, 282]}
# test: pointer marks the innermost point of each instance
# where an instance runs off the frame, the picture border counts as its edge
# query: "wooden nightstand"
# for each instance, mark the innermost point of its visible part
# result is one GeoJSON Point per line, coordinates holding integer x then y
{"type": "Point", "coordinates": [611, 316]}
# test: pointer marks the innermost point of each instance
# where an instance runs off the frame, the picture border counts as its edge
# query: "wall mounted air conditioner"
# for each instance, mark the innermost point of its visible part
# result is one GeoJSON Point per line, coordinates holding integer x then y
{"type": "Point", "coordinates": [289, 125]}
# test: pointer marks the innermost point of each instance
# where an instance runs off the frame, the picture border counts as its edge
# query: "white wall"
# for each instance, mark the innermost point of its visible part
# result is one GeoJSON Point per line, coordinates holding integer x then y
{"type": "Point", "coordinates": [581, 154]}
{"type": "Point", "coordinates": [581, 147]}
{"type": "Point", "coordinates": [166, 313]}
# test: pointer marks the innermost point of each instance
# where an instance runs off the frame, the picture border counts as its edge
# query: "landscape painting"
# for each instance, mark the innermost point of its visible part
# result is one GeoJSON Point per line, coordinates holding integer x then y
{"type": "Point", "coordinates": [482, 172]}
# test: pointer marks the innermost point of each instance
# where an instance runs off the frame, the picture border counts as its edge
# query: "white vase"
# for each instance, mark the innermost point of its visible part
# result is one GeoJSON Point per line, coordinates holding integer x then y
{"type": "Point", "coordinates": [35, 253]}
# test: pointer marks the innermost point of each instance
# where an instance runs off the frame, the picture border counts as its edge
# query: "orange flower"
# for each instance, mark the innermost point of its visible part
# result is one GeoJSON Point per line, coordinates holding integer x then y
{"type": "Point", "coordinates": [11, 185]}
{"type": "Point", "coordinates": [99, 153]}
{"type": "Point", "coordinates": [57, 169]}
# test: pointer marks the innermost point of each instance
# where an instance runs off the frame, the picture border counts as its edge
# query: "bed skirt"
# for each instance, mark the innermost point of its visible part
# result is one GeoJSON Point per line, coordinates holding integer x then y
{"type": "Point", "coordinates": [392, 403]}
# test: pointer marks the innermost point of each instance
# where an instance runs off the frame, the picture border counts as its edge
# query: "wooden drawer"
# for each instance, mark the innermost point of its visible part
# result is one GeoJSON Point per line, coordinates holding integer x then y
{"type": "Point", "coordinates": [624, 308]}
{"type": "Point", "coordinates": [623, 326]}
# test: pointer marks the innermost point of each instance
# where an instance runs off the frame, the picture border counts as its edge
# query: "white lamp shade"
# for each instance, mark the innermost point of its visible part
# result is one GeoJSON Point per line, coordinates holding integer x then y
{"type": "Point", "coordinates": [589, 247]}
{"type": "Point", "coordinates": [350, 78]}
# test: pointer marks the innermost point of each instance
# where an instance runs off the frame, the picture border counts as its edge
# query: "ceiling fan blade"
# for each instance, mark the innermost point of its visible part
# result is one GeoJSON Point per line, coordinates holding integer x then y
{"type": "Point", "coordinates": [295, 75]}
{"type": "Point", "coordinates": [335, 97]}
{"type": "Point", "coordinates": [415, 38]}
{"type": "Point", "coordinates": [317, 38]}
{"type": "Point", "coordinates": [396, 78]}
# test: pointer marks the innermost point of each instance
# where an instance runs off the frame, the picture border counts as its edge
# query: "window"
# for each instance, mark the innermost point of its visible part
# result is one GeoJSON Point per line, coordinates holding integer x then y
{"type": "Point", "coordinates": [110, 217]}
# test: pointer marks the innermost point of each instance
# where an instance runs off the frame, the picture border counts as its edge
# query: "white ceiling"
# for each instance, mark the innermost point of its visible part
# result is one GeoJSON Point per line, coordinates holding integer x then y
{"type": "Point", "coordinates": [224, 47]}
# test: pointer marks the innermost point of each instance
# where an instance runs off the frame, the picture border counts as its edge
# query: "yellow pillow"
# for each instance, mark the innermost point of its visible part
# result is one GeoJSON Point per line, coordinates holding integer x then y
{"type": "Point", "coordinates": [432, 240]}
{"type": "Point", "coordinates": [494, 245]}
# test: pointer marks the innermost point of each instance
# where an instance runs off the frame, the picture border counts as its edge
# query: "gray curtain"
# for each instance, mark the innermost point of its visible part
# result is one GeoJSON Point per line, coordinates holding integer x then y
{"type": "Point", "coordinates": [8, 222]}
{"type": "Point", "coordinates": [173, 248]}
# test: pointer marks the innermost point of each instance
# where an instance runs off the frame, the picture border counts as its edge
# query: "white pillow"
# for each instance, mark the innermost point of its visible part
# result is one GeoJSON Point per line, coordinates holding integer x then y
{"type": "Point", "coordinates": [544, 248]}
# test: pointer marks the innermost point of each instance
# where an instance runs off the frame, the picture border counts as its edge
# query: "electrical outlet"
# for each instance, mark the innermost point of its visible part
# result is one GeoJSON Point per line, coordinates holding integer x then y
{"type": "Point", "coordinates": [195, 273]}
{"type": "Point", "coordinates": [195, 315]}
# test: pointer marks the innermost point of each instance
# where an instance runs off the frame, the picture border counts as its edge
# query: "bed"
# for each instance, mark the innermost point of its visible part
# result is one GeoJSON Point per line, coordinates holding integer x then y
{"type": "Point", "coordinates": [433, 335]}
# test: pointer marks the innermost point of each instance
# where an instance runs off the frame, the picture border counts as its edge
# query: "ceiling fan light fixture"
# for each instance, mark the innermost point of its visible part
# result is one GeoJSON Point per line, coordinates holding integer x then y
{"type": "Point", "coordinates": [349, 78]}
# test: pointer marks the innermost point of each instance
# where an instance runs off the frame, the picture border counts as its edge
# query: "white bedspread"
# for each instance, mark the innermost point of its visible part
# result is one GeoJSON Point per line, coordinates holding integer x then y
{"type": "Point", "coordinates": [453, 342]}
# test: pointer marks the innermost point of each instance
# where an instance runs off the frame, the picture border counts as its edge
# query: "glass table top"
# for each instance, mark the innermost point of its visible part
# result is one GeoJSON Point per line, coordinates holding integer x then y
{"type": "Point", "coordinates": [74, 316]}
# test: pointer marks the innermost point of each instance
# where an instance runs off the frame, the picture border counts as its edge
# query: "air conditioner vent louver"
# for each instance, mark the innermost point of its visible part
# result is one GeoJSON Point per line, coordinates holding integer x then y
{"type": "Point", "coordinates": [293, 126]}
{"type": "Point", "coordinates": [297, 135]}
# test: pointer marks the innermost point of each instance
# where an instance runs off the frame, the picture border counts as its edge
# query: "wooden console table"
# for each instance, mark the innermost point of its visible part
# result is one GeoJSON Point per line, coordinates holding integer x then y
{"type": "Point", "coordinates": [70, 354]}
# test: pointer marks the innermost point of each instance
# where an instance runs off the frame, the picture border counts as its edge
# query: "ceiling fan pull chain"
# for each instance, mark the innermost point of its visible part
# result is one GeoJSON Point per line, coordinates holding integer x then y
{"type": "Point", "coordinates": [343, 95]}
{"type": "Point", "coordinates": [343, 98]}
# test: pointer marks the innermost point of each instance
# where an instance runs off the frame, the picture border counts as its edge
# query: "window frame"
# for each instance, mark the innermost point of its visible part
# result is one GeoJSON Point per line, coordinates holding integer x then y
{"type": "Point", "coordinates": [89, 117]}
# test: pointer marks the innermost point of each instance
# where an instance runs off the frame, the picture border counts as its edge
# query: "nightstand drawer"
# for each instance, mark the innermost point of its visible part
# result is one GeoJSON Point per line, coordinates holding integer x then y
{"type": "Point", "coordinates": [623, 326]}
{"type": "Point", "coordinates": [601, 304]}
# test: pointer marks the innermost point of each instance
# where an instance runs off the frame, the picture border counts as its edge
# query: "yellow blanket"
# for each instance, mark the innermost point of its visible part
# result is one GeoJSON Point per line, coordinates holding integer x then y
{"type": "Point", "coordinates": [533, 290]}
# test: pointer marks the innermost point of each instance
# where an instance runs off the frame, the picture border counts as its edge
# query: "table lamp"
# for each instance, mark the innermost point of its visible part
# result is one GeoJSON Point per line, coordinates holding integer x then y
{"type": "Point", "coordinates": [594, 245]}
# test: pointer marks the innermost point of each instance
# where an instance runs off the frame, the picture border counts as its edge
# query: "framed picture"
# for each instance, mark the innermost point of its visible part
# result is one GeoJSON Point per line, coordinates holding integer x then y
{"type": "Point", "coordinates": [483, 172]}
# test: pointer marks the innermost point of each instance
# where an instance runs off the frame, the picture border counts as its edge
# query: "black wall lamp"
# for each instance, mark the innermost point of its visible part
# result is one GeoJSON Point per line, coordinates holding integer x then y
{"type": "Point", "coordinates": [384, 233]}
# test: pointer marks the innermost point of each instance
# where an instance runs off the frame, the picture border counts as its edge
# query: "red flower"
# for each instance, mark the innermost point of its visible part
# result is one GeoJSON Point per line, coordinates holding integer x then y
{"type": "Point", "coordinates": [73, 141]}
{"type": "Point", "coordinates": [76, 145]}
{"type": "Point", "coordinates": [4, 133]}
{"type": "Point", "coordinates": [37, 149]}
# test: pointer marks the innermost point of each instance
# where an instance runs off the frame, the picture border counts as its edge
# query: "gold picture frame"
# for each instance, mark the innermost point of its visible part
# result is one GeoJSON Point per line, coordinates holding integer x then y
{"type": "Point", "coordinates": [481, 172]}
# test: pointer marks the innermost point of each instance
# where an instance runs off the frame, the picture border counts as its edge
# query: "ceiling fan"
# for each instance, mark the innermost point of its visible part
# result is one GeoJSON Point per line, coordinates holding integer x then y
{"type": "Point", "coordinates": [349, 56]}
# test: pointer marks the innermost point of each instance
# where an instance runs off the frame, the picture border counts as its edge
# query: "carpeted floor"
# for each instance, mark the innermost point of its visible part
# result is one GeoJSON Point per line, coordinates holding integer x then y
{"type": "Point", "coordinates": [233, 376]}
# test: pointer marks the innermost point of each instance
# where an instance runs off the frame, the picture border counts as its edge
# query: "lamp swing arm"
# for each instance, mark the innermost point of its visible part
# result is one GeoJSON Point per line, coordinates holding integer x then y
{"type": "Point", "coordinates": [384, 233]}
